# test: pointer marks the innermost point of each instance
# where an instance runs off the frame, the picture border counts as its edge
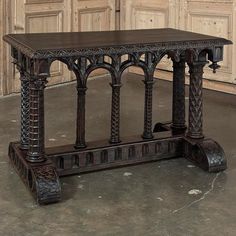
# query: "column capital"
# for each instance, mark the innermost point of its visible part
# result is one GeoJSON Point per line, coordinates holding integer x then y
{"type": "Point", "coordinates": [82, 90]}
{"type": "Point", "coordinates": [39, 82]}
{"type": "Point", "coordinates": [196, 66]}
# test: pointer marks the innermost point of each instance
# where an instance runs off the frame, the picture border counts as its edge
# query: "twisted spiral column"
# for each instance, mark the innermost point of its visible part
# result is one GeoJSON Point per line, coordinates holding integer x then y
{"type": "Point", "coordinates": [36, 119]}
{"type": "Point", "coordinates": [147, 132]}
{"type": "Point", "coordinates": [80, 128]}
{"type": "Point", "coordinates": [24, 139]}
{"type": "Point", "coordinates": [178, 99]}
{"type": "Point", "coordinates": [115, 113]}
{"type": "Point", "coordinates": [195, 100]}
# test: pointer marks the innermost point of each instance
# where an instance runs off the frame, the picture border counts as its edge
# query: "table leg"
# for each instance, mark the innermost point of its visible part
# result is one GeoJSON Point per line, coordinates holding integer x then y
{"type": "Point", "coordinates": [36, 121]}
{"type": "Point", "coordinates": [206, 153]}
{"type": "Point", "coordinates": [115, 113]}
{"type": "Point", "coordinates": [36, 171]}
{"type": "Point", "coordinates": [147, 132]}
{"type": "Point", "coordinates": [80, 127]}
{"type": "Point", "coordinates": [24, 139]}
{"type": "Point", "coordinates": [178, 103]}
{"type": "Point", "coordinates": [195, 100]}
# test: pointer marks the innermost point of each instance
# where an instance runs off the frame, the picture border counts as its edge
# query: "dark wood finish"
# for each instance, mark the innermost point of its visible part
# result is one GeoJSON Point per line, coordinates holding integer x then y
{"type": "Point", "coordinates": [45, 45]}
{"type": "Point", "coordinates": [178, 97]}
{"type": "Point", "coordinates": [84, 52]}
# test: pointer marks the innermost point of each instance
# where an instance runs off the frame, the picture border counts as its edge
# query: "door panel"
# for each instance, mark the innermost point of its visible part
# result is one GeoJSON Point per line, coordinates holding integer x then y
{"type": "Point", "coordinates": [141, 14]}
{"type": "Point", "coordinates": [36, 16]}
{"type": "Point", "coordinates": [94, 15]}
{"type": "Point", "coordinates": [213, 18]}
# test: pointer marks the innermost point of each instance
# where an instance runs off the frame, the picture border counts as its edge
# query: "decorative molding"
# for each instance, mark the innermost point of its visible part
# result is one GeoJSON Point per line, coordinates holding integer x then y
{"type": "Point", "coordinates": [122, 49]}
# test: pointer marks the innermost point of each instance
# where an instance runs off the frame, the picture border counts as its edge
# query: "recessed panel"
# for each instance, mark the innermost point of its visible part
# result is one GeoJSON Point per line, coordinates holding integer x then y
{"type": "Point", "coordinates": [213, 25]}
{"type": "Point", "coordinates": [148, 18]}
{"type": "Point", "coordinates": [94, 19]}
{"type": "Point", "coordinates": [43, 23]}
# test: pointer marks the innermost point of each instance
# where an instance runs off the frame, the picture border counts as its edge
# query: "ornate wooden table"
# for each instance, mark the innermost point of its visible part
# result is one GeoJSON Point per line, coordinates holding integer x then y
{"type": "Point", "coordinates": [33, 54]}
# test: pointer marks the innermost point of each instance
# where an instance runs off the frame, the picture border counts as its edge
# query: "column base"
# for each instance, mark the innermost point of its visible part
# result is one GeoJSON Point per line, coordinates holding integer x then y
{"type": "Point", "coordinates": [194, 136]}
{"type": "Point", "coordinates": [114, 141]}
{"type": "Point", "coordinates": [176, 130]}
{"type": "Point", "coordinates": [206, 153]}
{"type": "Point", "coordinates": [36, 159]}
{"type": "Point", "coordinates": [80, 146]}
{"type": "Point", "coordinates": [147, 136]}
{"type": "Point", "coordinates": [40, 178]}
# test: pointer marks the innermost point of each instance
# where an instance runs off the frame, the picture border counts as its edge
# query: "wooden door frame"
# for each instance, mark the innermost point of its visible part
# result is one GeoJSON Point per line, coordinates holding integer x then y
{"type": "Point", "coordinates": [6, 68]}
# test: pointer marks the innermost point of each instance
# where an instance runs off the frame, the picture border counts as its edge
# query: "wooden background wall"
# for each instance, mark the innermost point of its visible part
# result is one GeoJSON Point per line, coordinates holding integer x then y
{"type": "Point", "coordinates": [215, 17]}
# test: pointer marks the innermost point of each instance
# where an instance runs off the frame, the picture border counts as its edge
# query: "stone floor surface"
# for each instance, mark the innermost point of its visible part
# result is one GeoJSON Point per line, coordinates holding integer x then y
{"type": "Point", "coordinates": [167, 198]}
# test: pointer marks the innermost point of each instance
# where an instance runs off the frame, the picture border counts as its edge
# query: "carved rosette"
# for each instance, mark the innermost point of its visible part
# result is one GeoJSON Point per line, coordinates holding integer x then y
{"type": "Point", "coordinates": [178, 103]}
{"type": "Point", "coordinates": [36, 121]}
{"type": "Point", "coordinates": [115, 113]}
{"type": "Point", "coordinates": [195, 100]}
{"type": "Point", "coordinates": [147, 133]}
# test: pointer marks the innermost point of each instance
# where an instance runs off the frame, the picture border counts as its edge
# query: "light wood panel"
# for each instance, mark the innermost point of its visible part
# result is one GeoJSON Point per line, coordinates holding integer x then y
{"type": "Point", "coordinates": [2, 23]}
{"type": "Point", "coordinates": [34, 16]}
{"type": "Point", "coordinates": [141, 14]}
{"type": "Point", "coordinates": [214, 18]}
{"type": "Point", "coordinates": [5, 66]}
{"type": "Point", "coordinates": [93, 15]}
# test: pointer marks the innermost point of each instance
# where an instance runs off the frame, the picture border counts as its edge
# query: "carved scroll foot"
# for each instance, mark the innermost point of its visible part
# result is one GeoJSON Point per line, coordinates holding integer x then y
{"type": "Point", "coordinates": [207, 154]}
{"type": "Point", "coordinates": [46, 185]}
{"type": "Point", "coordinates": [40, 178]}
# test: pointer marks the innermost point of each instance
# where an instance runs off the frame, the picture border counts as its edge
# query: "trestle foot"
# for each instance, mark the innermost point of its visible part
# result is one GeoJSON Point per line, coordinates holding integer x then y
{"type": "Point", "coordinates": [207, 154]}
{"type": "Point", "coordinates": [40, 178]}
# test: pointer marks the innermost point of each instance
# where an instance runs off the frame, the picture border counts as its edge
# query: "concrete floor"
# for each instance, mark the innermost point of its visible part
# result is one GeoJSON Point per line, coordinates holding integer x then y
{"type": "Point", "coordinates": [150, 199]}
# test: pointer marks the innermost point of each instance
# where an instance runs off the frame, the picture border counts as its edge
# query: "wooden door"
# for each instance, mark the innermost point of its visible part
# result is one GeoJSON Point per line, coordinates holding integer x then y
{"type": "Point", "coordinates": [94, 15]}
{"type": "Point", "coordinates": [142, 14]}
{"type": "Point", "coordinates": [34, 16]}
{"type": "Point", "coordinates": [213, 18]}
{"type": "Point", "coordinates": [41, 16]}
{"type": "Point", "coordinates": [3, 48]}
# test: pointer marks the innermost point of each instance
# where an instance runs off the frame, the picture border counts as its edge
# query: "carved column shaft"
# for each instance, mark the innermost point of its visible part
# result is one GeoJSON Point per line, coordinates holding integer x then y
{"type": "Point", "coordinates": [80, 128]}
{"type": "Point", "coordinates": [147, 133]}
{"type": "Point", "coordinates": [36, 120]}
{"type": "Point", "coordinates": [24, 139]}
{"type": "Point", "coordinates": [178, 102]}
{"type": "Point", "coordinates": [195, 100]}
{"type": "Point", "coordinates": [115, 114]}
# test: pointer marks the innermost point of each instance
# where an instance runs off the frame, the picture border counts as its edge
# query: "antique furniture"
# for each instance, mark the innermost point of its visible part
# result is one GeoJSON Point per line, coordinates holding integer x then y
{"type": "Point", "coordinates": [33, 54]}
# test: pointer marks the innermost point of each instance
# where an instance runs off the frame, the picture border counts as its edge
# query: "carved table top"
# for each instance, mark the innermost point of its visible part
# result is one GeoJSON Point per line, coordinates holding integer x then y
{"type": "Point", "coordinates": [57, 45]}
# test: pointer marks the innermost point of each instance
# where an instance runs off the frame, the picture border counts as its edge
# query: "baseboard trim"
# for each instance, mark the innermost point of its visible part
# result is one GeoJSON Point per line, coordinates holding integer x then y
{"type": "Point", "coordinates": [207, 84]}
